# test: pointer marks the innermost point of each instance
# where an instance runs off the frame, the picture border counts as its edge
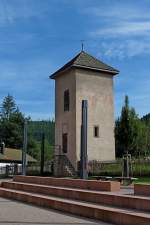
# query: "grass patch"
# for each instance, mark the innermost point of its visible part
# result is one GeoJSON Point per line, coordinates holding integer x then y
{"type": "Point", "coordinates": [143, 180]}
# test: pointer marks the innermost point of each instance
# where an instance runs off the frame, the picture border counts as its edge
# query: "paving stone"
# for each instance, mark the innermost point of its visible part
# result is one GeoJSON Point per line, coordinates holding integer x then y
{"type": "Point", "coordinates": [17, 213]}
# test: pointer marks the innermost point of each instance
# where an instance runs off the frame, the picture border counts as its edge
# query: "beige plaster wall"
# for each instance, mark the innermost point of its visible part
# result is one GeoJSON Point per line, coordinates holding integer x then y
{"type": "Point", "coordinates": [97, 88]}
{"type": "Point", "coordinates": [66, 121]}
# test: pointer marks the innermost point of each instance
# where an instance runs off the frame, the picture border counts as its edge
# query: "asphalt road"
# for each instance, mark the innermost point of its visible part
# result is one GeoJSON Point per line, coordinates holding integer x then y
{"type": "Point", "coordinates": [18, 213]}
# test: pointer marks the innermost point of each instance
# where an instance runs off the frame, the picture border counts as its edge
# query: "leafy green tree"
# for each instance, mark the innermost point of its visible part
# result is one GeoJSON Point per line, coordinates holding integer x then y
{"type": "Point", "coordinates": [126, 130]}
{"type": "Point", "coordinates": [144, 137]}
{"type": "Point", "coordinates": [8, 107]}
{"type": "Point", "coordinates": [12, 124]}
{"type": "Point", "coordinates": [146, 119]}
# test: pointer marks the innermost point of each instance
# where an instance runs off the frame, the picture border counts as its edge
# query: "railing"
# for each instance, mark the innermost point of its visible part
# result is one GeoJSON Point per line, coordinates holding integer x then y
{"type": "Point", "coordinates": [11, 170]}
{"type": "Point", "coordinates": [64, 160]}
{"type": "Point", "coordinates": [70, 166]}
{"type": "Point", "coordinates": [58, 150]}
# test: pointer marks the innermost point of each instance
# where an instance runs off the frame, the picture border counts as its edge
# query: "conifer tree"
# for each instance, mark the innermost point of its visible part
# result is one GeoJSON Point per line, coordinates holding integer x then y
{"type": "Point", "coordinates": [126, 130]}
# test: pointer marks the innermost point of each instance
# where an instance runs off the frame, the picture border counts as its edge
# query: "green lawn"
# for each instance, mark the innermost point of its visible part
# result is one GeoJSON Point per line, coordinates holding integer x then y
{"type": "Point", "coordinates": [143, 180]}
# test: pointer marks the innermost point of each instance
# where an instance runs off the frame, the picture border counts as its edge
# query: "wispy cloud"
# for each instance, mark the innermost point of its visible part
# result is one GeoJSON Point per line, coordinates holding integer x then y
{"type": "Point", "coordinates": [118, 10]}
{"type": "Point", "coordinates": [38, 36]}
{"type": "Point", "coordinates": [124, 29]}
{"type": "Point", "coordinates": [135, 84]}
{"type": "Point", "coordinates": [122, 49]}
{"type": "Point", "coordinates": [29, 84]}
{"type": "Point", "coordinates": [10, 11]}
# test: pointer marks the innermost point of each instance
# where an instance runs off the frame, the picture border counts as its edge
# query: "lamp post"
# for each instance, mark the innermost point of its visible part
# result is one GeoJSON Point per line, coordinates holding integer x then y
{"type": "Point", "coordinates": [24, 150]}
{"type": "Point", "coordinates": [42, 153]}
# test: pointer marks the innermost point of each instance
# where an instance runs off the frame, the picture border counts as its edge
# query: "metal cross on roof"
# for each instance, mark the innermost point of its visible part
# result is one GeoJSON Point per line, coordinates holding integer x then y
{"type": "Point", "coordinates": [82, 45]}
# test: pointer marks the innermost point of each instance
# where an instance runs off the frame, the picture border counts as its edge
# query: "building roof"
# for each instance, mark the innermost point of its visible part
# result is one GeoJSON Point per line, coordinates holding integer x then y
{"type": "Point", "coordinates": [85, 61]}
{"type": "Point", "coordinates": [14, 155]}
{"type": "Point", "coordinates": [3, 157]}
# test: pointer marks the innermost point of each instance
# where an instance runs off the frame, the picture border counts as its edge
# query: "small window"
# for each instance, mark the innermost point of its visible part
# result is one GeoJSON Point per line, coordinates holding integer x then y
{"type": "Point", "coordinates": [96, 131]}
{"type": "Point", "coordinates": [66, 100]}
{"type": "Point", "coordinates": [65, 142]}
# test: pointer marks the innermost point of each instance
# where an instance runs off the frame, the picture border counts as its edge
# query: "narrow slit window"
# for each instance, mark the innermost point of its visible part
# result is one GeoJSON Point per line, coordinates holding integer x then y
{"type": "Point", "coordinates": [96, 131]}
{"type": "Point", "coordinates": [66, 100]}
{"type": "Point", "coordinates": [65, 142]}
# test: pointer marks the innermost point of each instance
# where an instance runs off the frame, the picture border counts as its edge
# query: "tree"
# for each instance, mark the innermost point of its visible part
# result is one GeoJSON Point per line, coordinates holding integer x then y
{"type": "Point", "coordinates": [144, 136]}
{"type": "Point", "coordinates": [12, 124]}
{"type": "Point", "coordinates": [35, 129]}
{"type": "Point", "coordinates": [8, 107]}
{"type": "Point", "coordinates": [126, 130]}
{"type": "Point", "coordinates": [146, 118]}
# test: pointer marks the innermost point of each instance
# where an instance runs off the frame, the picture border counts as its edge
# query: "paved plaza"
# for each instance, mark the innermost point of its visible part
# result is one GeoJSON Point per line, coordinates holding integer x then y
{"type": "Point", "coordinates": [17, 213]}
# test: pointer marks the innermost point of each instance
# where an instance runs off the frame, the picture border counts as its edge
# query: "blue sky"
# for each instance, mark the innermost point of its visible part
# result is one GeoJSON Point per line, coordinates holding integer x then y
{"type": "Point", "coordinates": [39, 36]}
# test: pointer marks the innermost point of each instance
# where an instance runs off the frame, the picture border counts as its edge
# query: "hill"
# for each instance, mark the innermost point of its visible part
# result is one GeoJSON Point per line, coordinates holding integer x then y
{"type": "Point", "coordinates": [36, 128]}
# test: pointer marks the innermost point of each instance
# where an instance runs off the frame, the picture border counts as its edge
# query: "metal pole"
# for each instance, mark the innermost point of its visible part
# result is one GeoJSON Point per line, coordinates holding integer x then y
{"type": "Point", "coordinates": [42, 153]}
{"type": "Point", "coordinates": [84, 157]}
{"type": "Point", "coordinates": [126, 165]}
{"type": "Point", "coordinates": [24, 151]}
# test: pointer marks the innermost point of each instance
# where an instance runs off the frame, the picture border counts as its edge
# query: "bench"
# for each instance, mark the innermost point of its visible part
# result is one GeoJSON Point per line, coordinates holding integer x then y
{"type": "Point", "coordinates": [103, 177]}
{"type": "Point", "coordinates": [125, 180]}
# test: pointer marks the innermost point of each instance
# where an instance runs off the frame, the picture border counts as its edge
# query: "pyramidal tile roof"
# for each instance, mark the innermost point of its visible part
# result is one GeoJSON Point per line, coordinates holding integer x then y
{"type": "Point", "coordinates": [86, 61]}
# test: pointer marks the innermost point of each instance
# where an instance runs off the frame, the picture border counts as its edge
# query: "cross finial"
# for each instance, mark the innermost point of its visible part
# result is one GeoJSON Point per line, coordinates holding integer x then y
{"type": "Point", "coordinates": [82, 45]}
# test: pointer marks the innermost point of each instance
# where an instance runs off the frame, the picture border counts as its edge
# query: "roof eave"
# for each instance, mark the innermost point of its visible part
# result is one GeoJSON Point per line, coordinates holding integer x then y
{"type": "Point", "coordinates": [58, 72]}
{"type": "Point", "coordinates": [114, 72]}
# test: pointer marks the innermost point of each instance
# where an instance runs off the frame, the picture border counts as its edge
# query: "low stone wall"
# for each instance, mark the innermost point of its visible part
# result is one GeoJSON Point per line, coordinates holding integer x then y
{"type": "Point", "coordinates": [142, 189]}
{"type": "Point", "coordinates": [74, 183]}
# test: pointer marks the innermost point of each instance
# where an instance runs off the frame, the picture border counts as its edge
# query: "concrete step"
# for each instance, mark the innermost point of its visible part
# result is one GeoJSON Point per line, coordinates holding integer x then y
{"type": "Point", "coordinates": [104, 213]}
{"type": "Point", "coordinates": [117, 200]}
{"type": "Point", "coordinates": [74, 183]}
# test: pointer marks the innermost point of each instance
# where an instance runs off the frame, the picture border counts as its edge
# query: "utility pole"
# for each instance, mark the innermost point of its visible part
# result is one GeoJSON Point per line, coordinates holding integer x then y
{"type": "Point", "coordinates": [24, 151]}
{"type": "Point", "coordinates": [42, 153]}
{"type": "Point", "coordinates": [84, 156]}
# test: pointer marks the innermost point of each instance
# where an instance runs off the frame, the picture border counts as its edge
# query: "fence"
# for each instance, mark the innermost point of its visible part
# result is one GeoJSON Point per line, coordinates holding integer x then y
{"type": "Point", "coordinates": [10, 170]}
{"type": "Point", "coordinates": [33, 169]}
{"type": "Point", "coordinates": [140, 167]}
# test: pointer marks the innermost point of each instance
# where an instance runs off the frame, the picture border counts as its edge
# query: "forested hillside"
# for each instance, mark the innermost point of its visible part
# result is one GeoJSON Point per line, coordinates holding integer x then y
{"type": "Point", "coordinates": [38, 127]}
{"type": "Point", "coordinates": [146, 118]}
{"type": "Point", "coordinates": [12, 126]}
{"type": "Point", "coordinates": [35, 130]}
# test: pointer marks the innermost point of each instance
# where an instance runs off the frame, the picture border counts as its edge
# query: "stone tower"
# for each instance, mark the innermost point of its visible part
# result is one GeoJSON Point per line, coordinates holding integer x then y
{"type": "Point", "coordinates": [84, 78]}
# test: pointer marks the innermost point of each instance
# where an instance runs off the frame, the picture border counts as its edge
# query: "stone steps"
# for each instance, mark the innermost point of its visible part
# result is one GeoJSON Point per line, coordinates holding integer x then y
{"type": "Point", "coordinates": [105, 198]}
{"type": "Point", "coordinates": [93, 199]}
{"type": "Point", "coordinates": [110, 214]}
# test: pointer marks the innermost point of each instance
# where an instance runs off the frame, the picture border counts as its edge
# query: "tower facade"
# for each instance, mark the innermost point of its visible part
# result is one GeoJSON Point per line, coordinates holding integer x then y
{"type": "Point", "coordinates": [84, 78]}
